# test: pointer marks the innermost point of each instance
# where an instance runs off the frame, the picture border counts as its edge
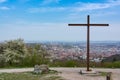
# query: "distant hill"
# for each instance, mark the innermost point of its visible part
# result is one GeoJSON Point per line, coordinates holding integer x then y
{"type": "Point", "coordinates": [112, 58]}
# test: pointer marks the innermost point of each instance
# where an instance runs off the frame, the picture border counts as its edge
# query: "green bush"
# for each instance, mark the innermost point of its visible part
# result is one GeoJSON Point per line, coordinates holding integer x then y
{"type": "Point", "coordinates": [15, 53]}
{"type": "Point", "coordinates": [115, 64]}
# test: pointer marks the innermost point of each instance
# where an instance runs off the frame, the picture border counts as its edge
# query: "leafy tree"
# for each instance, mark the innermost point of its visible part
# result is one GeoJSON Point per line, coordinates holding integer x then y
{"type": "Point", "coordinates": [2, 60]}
{"type": "Point", "coordinates": [17, 53]}
{"type": "Point", "coordinates": [13, 51]}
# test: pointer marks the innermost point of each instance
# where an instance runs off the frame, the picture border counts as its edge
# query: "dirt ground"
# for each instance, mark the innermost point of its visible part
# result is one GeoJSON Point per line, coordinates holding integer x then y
{"type": "Point", "coordinates": [73, 73]}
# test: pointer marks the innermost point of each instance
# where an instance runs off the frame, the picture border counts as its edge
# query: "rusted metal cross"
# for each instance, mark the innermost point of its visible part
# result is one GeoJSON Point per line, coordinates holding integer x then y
{"type": "Point", "coordinates": [88, 36]}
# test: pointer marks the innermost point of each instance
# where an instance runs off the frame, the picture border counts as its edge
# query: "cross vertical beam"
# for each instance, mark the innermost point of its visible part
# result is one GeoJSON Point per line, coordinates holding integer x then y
{"type": "Point", "coordinates": [88, 36]}
{"type": "Point", "coordinates": [88, 41]}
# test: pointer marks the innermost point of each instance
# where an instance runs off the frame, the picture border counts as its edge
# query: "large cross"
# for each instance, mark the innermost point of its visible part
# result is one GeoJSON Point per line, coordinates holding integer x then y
{"type": "Point", "coordinates": [88, 36]}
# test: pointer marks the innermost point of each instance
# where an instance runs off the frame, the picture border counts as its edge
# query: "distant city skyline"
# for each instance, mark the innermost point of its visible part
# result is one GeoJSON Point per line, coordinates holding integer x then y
{"type": "Point", "coordinates": [47, 20]}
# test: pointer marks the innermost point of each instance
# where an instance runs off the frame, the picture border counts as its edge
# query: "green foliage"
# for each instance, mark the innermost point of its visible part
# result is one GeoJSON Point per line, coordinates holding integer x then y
{"type": "Point", "coordinates": [70, 63]}
{"type": "Point", "coordinates": [103, 73]}
{"type": "Point", "coordinates": [28, 76]}
{"type": "Point", "coordinates": [13, 51]}
{"type": "Point", "coordinates": [76, 63]}
{"type": "Point", "coordinates": [115, 64]}
{"type": "Point", "coordinates": [67, 63]}
{"type": "Point", "coordinates": [2, 60]}
{"type": "Point", "coordinates": [17, 54]}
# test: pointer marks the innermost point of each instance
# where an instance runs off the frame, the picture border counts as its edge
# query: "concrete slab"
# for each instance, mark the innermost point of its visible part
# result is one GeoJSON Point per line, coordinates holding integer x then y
{"type": "Point", "coordinates": [88, 72]}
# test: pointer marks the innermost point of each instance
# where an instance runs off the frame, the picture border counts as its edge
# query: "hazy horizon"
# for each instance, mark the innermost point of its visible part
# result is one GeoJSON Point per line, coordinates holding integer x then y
{"type": "Point", "coordinates": [39, 41]}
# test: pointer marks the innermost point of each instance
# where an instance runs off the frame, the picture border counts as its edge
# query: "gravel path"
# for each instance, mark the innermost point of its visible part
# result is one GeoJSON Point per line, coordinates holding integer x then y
{"type": "Point", "coordinates": [15, 70]}
{"type": "Point", "coordinates": [73, 73]}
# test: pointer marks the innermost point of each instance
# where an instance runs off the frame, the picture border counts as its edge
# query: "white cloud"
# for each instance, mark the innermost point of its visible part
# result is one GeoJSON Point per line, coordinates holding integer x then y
{"type": "Point", "coordinates": [1, 1]}
{"type": "Point", "coordinates": [113, 0]}
{"type": "Point", "coordinates": [45, 2]}
{"type": "Point", "coordinates": [78, 7]}
{"type": "Point", "coordinates": [90, 6]}
{"type": "Point", "coordinates": [46, 9]}
{"type": "Point", "coordinates": [96, 6]}
{"type": "Point", "coordinates": [4, 8]}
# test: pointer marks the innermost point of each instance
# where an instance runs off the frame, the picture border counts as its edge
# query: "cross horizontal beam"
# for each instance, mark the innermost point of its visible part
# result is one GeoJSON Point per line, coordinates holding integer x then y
{"type": "Point", "coordinates": [88, 24]}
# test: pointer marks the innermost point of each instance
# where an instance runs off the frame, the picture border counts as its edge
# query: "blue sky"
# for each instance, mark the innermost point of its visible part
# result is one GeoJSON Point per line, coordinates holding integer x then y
{"type": "Point", "coordinates": [47, 20]}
